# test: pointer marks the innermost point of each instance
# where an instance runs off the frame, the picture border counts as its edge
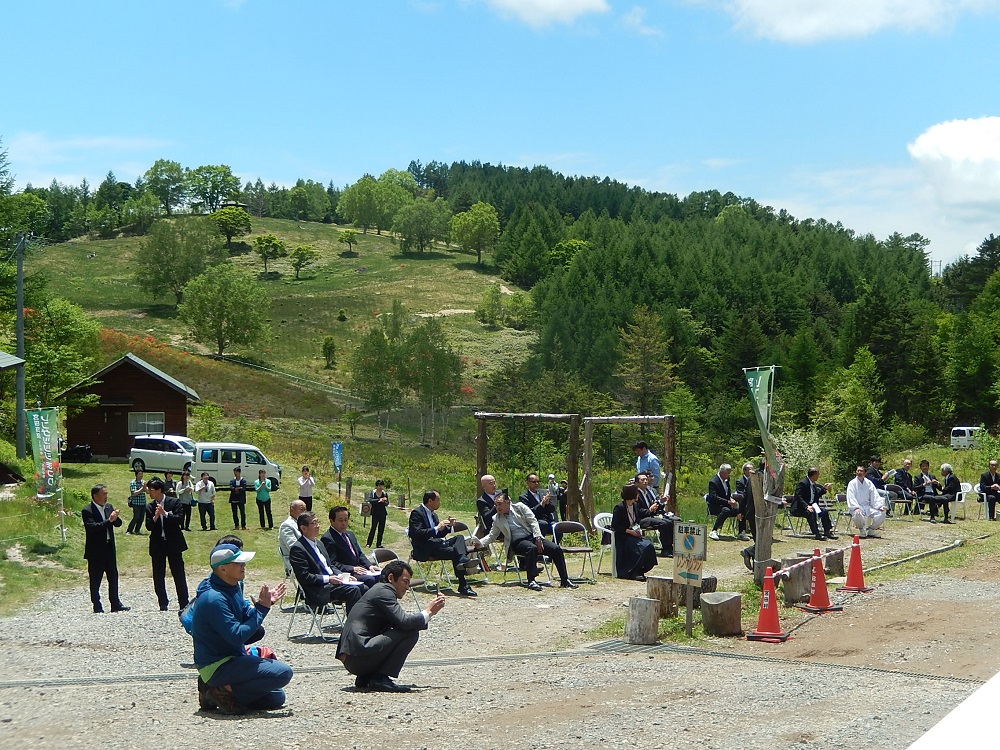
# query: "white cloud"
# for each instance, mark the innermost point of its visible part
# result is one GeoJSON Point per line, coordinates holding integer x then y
{"type": "Point", "coordinates": [635, 20]}
{"type": "Point", "coordinates": [804, 21]}
{"type": "Point", "coordinates": [959, 162]}
{"type": "Point", "coordinates": [538, 13]}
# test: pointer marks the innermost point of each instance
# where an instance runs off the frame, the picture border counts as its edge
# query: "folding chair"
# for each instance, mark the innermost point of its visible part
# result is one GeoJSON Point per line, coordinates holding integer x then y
{"type": "Point", "coordinates": [729, 528]}
{"type": "Point", "coordinates": [316, 614]}
{"type": "Point", "coordinates": [383, 555]}
{"type": "Point", "coordinates": [900, 500]}
{"type": "Point", "coordinates": [289, 579]}
{"type": "Point", "coordinates": [560, 529]}
{"type": "Point", "coordinates": [602, 524]}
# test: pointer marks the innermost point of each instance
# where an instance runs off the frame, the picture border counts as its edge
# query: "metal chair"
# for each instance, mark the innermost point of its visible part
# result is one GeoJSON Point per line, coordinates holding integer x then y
{"type": "Point", "coordinates": [316, 614]}
{"type": "Point", "coordinates": [383, 555]}
{"type": "Point", "coordinates": [562, 528]}
{"type": "Point", "coordinates": [602, 523]}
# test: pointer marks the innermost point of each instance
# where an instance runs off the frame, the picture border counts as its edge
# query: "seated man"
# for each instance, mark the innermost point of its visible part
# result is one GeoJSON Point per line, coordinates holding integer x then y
{"type": "Point", "coordinates": [288, 531]}
{"type": "Point", "coordinates": [543, 505]}
{"type": "Point", "coordinates": [522, 536]}
{"type": "Point", "coordinates": [989, 485]}
{"type": "Point", "coordinates": [379, 634]}
{"type": "Point", "coordinates": [804, 504]}
{"type": "Point", "coordinates": [343, 550]}
{"type": "Point", "coordinates": [926, 485]}
{"type": "Point", "coordinates": [663, 525]}
{"type": "Point", "coordinates": [902, 478]}
{"type": "Point", "coordinates": [864, 503]}
{"type": "Point", "coordinates": [427, 534]}
{"type": "Point", "coordinates": [317, 577]}
{"type": "Point", "coordinates": [721, 503]}
{"type": "Point", "coordinates": [949, 491]}
{"type": "Point", "coordinates": [223, 621]}
{"type": "Point", "coordinates": [485, 504]}
{"type": "Point", "coordinates": [877, 478]}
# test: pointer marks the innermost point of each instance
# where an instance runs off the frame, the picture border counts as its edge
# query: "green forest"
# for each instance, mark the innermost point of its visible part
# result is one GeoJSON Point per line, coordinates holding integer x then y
{"type": "Point", "coordinates": [640, 302]}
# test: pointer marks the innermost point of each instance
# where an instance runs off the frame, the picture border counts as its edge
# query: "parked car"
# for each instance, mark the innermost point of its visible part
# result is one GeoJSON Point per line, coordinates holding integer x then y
{"type": "Point", "coordinates": [161, 453]}
{"type": "Point", "coordinates": [964, 437]}
{"type": "Point", "coordinates": [219, 460]}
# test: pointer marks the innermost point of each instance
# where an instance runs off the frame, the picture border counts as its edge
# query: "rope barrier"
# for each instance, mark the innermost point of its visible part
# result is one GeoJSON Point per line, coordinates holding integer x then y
{"type": "Point", "coordinates": [783, 573]}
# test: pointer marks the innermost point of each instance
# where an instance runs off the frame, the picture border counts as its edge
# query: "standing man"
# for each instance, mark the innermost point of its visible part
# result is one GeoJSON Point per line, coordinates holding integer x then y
{"type": "Point", "coordinates": [343, 550]}
{"type": "Point", "coordinates": [427, 538]}
{"type": "Point", "coordinates": [720, 499]}
{"type": "Point", "coordinates": [99, 520]}
{"type": "Point", "coordinates": [543, 506]}
{"type": "Point", "coordinates": [521, 536]}
{"type": "Point", "coordinates": [379, 634]}
{"type": "Point", "coordinates": [317, 577]}
{"type": "Point", "coordinates": [989, 485]}
{"type": "Point", "coordinates": [864, 503]}
{"type": "Point", "coordinates": [164, 519]}
{"type": "Point", "coordinates": [378, 501]}
{"type": "Point", "coordinates": [744, 495]}
{"type": "Point", "coordinates": [288, 531]}
{"type": "Point", "coordinates": [238, 499]}
{"type": "Point", "coordinates": [137, 502]}
{"type": "Point", "coordinates": [223, 622]}
{"type": "Point", "coordinates": [205, 489]}
{"type": "Point", "coordinates": [646, 460]}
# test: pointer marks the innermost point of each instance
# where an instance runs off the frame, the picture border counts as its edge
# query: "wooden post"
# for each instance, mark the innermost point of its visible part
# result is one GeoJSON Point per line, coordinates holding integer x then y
{"type": "Point", "coordinates": [347, 489]}
{"type": "Point", "coordinates": [721, 613]}
{"type": "Point", "coordinates": [643, 621]}
{"type": "Point", "coordinates": [669, 458]}
{"type": "Point", "coordinates": [586, 486]}
{"type": "Point", "coordinates": [796, 586]}
{"type": "Point", "coordinates": [573, 505]}
{"type": "Point", "coordinates": [761, 566]}
{"type": "Point", "coordinates": [764, 513]}
{"type": "Point", "coordinates": [482, 439]}
{"type": "Point", "coordinates": [833, 566]}
{"type": "Point", "coordinates": [661, 588]}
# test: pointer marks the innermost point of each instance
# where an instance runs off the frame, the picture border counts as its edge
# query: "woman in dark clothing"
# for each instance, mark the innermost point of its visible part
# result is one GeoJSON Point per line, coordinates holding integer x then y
{"type": "Point", "coordinates": [634, 554]}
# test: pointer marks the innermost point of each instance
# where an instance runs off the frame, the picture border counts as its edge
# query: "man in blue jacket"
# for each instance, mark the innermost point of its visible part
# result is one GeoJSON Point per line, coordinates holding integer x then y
{"type": "Point", "coordinates": [223, 622]}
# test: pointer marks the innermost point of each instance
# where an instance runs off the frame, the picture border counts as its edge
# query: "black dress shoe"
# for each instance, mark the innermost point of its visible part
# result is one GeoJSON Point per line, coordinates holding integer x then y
{"type": "Point", "coordinates": [163, 608]}
{"type": "Point", "coordinates": [384, 684]}
{"type": "Point", "coordinates": [568, 584]}
{"type": "Point", "coordinates": [120, 608]}
{"type": "Point", "coordinates": [361, 683]}
{"type": "Point", "coordinates": [98, 610]}
{"type": "Point", "coordinates": [466, 591]}
{"type": "Point", "coordinates": [533, 585]}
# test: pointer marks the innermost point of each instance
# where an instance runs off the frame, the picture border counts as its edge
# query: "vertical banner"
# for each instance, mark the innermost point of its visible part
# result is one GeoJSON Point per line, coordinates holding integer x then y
{"type": "Point", "coordinates": [337, 449]}
{"type": "Point", "coordinates": [760, 381]}
{"type": "Point", "coordinates": [43, 426]}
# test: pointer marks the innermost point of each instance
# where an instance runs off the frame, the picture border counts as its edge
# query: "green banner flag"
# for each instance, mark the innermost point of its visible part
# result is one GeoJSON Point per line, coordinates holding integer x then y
{"type": "Point", "coordinates": [43, 425]}
{"type": "Point", "coordinates": [759, 381]}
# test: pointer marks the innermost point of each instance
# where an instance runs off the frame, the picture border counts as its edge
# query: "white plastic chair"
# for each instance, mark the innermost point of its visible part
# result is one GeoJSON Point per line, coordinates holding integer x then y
{"type": "Point", "coordinates": [960, 499]}
{"type": "Point", "coordinates": [602, 524]}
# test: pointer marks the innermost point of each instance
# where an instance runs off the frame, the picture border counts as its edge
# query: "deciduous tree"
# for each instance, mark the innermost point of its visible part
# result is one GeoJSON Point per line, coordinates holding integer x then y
{"type": "Point", "coordinates": [168, 182]}
{"type": "Point", "coordinates": [225, 307]}
{"type": "Point", "coordinates": [374, 375]}
{"type": "Point", "coordinates": [231, 221]}
{"type": "Point", "coordinates": [268, 247]}
{"type": "Point", "coordinates": [212, 184]}
{"type": "Point", "coordinates": [175, 252]}
{"type": "Point", "coordinates": [421, 222]}
{"type": "Point", "coordinates": [477, 229]}
{"type": "Point", "coordinates": [359, 204]}
{"type": "Point", "coordinates": [303, 256]}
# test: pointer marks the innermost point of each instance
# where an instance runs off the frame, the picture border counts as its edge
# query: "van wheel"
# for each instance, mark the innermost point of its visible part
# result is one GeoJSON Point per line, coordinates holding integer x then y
{"type": "Point", "coordinates": [187, 466]}
{"type": "Point", "coordinates": [138, 465]}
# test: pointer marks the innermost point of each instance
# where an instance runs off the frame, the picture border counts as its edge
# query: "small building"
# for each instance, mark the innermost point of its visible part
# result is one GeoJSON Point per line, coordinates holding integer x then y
{"type": "Point", "coordinates": [135, 399]}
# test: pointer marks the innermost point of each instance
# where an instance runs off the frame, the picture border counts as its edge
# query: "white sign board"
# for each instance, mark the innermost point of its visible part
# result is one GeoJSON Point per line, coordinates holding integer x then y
{"type": "Point", "coordinates": [689, 552]}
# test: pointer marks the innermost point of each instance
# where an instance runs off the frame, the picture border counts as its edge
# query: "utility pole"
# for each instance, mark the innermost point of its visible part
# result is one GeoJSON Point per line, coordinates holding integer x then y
{"type": "Point", "coordinates": [19, 430]}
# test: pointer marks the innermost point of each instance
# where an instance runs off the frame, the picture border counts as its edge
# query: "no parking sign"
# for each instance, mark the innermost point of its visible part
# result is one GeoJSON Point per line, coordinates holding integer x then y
{"type": "Point", "coordinates": [689, 552]}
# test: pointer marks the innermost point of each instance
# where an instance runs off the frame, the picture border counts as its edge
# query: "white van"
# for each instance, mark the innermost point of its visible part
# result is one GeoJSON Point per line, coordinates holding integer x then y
{"type": "Point", "coordinates": [219, 460]}
{"type": "Point", "coordinates": [964, 437]}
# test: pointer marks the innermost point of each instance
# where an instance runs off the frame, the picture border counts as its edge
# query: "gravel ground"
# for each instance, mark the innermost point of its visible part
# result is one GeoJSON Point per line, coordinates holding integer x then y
{"type": "Point", "coordinates": [514, 669]}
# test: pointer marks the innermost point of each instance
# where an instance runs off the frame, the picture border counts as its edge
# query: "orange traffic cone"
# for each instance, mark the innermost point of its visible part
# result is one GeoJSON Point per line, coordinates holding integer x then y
{"type": "Point", "coordinates": [819, 597]}
{"type": "Point", "coordinates": [768, 627]}
{"type": "Point", "coordinates": [855, 575]}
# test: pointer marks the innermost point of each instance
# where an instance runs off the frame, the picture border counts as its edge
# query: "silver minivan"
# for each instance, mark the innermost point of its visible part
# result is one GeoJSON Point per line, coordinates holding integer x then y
{"type": "Point", "coordinates": [219, 460]}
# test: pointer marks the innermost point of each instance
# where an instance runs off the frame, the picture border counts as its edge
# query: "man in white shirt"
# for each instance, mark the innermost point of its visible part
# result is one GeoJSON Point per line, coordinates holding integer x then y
{"type": "Point", "coordinates": [864, 503]}
{"type": "Point", "coordinates": [645, 460]}
{"type": "Point", "coordinates": [205, 490]}
{"type": "Point", "coordinates": [317, 578]}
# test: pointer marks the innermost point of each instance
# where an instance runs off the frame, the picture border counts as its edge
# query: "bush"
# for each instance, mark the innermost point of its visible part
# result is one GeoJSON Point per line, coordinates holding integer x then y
{"type": "Point", "coordinates": [901, 436]}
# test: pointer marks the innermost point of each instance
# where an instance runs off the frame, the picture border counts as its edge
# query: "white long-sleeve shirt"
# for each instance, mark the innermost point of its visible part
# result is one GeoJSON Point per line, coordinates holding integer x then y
{"type": "Point", "coordinates": [862, 495]}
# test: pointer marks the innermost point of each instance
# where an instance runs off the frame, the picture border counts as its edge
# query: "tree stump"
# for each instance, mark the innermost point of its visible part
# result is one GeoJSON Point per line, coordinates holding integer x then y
{"type": "Point", "coordinates": [661, 588]}
{"type": "Point", "coordinates": [721, 613]}
{"type": "Point", "coordinates": [643, 621]}
{"type": "Point", "coordinates": [796, 585]}
{"type": "Point", "coordinates": [760, 567]}
{"type": "Point", "coordinates": [708, 585]}
{"type": "Point", "coordinates": [833, 566]}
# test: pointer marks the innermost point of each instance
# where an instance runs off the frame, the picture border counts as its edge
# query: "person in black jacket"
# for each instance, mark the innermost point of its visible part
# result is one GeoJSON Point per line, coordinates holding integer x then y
{"type": "Point", "coordinates": [99, 522]}
{"type": "Point", "coordinates": [427, 538]}
{"type": "Point", "coordinates": [721, 503]}
{"type": "Point", "coordinates": [486, 506]}
{"type": "Point", "coordinates": [318, 578]}
{"type": "Point", "coordinates": [804, 504]}
{"type": "Point", "coordinates": [378, 501]}
{"type": "Point", "coordinates": [541, 502]}
{"type": "Point", "coordinates": [989, 485]}
{"type": "Point", "coordinates": [164, 521]}
{"type": "Point", "coordinates": [634, 554]}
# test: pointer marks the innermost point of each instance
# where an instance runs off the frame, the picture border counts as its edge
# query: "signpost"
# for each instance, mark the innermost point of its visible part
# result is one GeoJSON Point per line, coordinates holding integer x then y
{"type": "Point", "coordinates": [689, 558]}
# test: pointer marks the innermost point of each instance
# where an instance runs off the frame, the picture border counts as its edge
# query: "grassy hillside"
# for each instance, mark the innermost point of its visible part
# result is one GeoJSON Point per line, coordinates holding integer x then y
{"type": "Point", "coordinates": [101, 277]}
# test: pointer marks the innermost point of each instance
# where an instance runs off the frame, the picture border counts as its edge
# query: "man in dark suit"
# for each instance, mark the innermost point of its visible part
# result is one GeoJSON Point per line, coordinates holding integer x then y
{"type": "Point", "coordinates": [99, 520]}
{"type": "Point", "coordinates": [343, 550]}
{"type": "Point", "coordinates": [648, 500]}
{"type": "Point", "coordinates": [948, 494]}
{"type": "Point", "coordinates": [720, 499]}
{"type": "Point", "coordinates": [379, 634]}
{"type": "Point", "coordinates": [427, 538]}
{"type": "Point", "coordinates": [902, 478]}
{"type": "Point", "coordinates": [378, 502]}
{"type": "Point", "coordinates": [486, 506]}
{"type": "Point", "coordinates": [318, 578]}
{"type": "Point", "coordinates": [164, 522]}
{"type": "Point", "coordinates": [744, 496]}
{"type": "Point", "coordinates": [989, 485]}
{"type": "Point", "coordinates": [542, 504]}
{"type": "Point", "coordinates": [804, 505]}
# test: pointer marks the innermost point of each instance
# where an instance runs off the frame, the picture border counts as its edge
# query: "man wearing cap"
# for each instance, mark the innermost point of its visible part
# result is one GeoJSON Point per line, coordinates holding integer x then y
{"type": "Point", "coordinates": [164, 520]}
{"type": "Point", "coordinates": [379, 634]}
{"type": "Point", "coordinates": [319, 580]}
{"type": "Point", "coordinates": [223, 622]}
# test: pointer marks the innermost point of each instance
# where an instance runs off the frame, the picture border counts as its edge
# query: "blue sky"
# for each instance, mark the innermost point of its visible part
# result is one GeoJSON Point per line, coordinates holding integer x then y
{"type": "Point", "coordinates": [880, 114]}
